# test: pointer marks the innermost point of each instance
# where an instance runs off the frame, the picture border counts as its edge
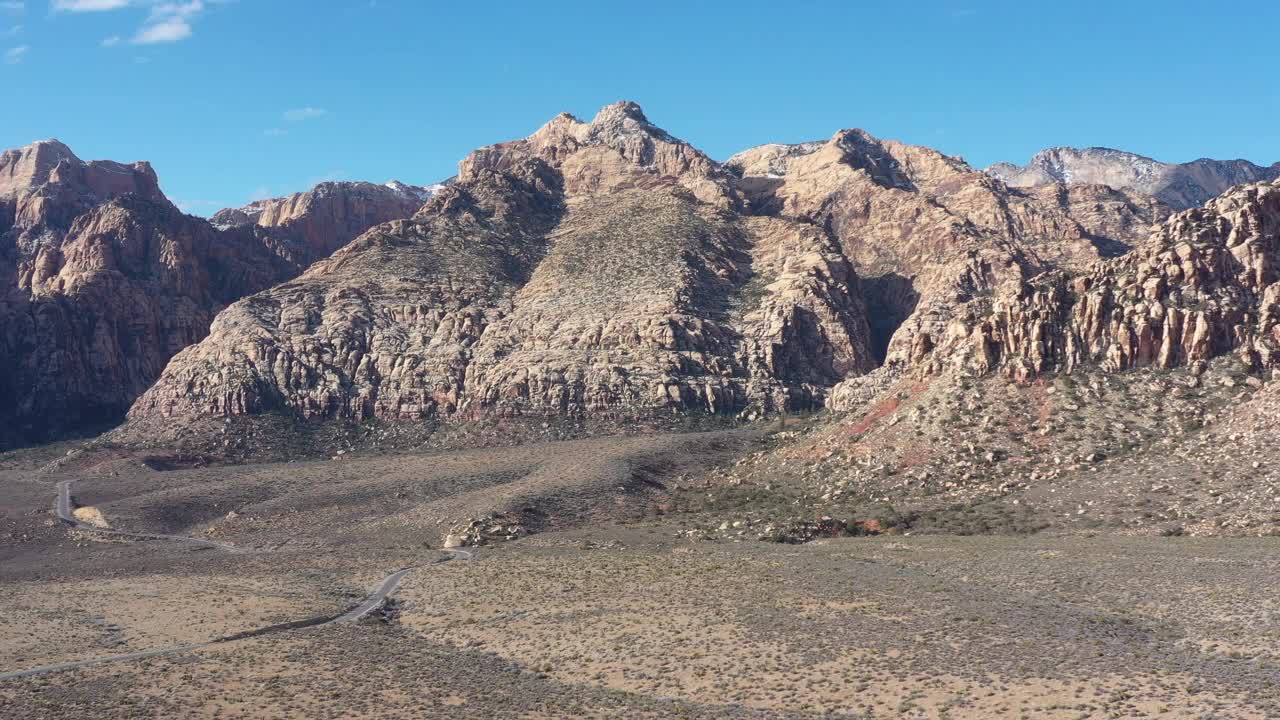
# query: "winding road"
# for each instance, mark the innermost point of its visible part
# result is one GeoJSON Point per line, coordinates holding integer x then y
{"type": "Point", "coordinates": [62, 507]}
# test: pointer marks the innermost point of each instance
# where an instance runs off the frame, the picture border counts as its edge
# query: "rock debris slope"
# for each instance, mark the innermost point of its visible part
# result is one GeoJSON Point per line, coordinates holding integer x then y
{"type": "Point", "coordinates": [1136, 394]}
{"type": "Point", "coordinates": [103, 280]}
{"type": "Point", "coordinates": [606, 269]}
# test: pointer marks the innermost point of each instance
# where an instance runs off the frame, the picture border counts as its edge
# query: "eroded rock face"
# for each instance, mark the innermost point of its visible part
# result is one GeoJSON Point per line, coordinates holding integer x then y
{"type": "Point", "coordinates": [104, 280]}
{"type": "Point", "coordinates": [1203, 285]}
{"type": "Point", "coordinates": [618, 149]}
{"type": "Point", "coordinates": [45, 184]}
{"type": "Point", "coordinates": [1179, 185]}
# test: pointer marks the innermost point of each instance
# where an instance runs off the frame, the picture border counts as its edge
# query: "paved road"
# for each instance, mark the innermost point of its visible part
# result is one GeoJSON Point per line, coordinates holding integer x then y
{"type": "Point", "coordinates": [62, 506]}
{"type": "Point", "coordinates": [389, 586]}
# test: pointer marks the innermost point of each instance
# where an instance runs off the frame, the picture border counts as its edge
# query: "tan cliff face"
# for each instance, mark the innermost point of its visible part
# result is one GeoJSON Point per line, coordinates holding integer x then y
{"type": "Point", "coordinates": [104, 280]}
{"type": "Point", "coordinates": [622, 149]}
{"type": "Point", "coordinates": [642, 277]}
{"type": "Point", "coordinates": [48, 184]}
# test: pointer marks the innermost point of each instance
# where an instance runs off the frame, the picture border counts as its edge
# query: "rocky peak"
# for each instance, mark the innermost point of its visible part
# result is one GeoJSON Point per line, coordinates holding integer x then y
{"type": "Point", "coordinates": [618, 149]}
{"type": "Point", "coordinates": [47, 173]}
{"type": "Point", "coordinates": [862, 151]}
{"type": "Point", "coordinates": [927, 232]}
{"type": "Point", "coordinates": [28, 167]}
{"type": "Point", "coordinates": [618, 121]}
{"type": "Point", "coordinates": [620, 111]}
{"type": "Point", "coordinates": [769, 160]}
{"type": "Point", "coordinates": [416, 192]}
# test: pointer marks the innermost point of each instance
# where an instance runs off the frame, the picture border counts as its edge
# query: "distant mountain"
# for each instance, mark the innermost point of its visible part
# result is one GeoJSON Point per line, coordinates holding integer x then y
{"type": "Point", "coordinates": [1180, 185]}
{"type": "Point", "coordinates": [330, 215]}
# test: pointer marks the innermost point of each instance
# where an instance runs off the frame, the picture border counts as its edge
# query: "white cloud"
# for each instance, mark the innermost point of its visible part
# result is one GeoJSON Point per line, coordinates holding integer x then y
{"type": "Point", "coordinates": [89, 5]}
{"type": "Point", "coordinates": [306, 113]}
{"type": "Point", "coordinates": [15, 55]}
{"type": "Point", "coordinates": [112, 41]}
{"type": "Point", "coordinates": [166, 31]}
{"type": "Point", "coordinates": [167, 21]}
{"type": "Point", "coordinates": [179, 9]}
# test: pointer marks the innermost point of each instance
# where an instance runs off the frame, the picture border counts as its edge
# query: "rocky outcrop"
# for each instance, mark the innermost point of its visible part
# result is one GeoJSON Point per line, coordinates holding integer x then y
{"type": "Point", "coordinates": [47, 186]}
{"type": "Point", "coordinates": [1205, 284]}
{"type": "Point", "coordinates": [1179, 185]}
{"type": "Point", "coordinates": [309, 226]}
{"type": "Point", "coordinates": [91, 315]}
{"type": "Point", "coordinates": [593, 269]}
{"type": "Point", "coordinates": [1113, 219]}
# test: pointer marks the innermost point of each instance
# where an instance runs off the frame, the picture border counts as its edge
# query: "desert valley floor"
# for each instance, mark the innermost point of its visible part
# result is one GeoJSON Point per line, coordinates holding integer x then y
{"type": "Point", "coordinates": [640, 599]}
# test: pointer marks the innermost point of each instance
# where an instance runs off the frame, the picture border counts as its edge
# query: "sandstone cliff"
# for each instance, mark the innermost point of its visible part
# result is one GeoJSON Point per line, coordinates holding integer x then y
{"type": "Point", "coordinates": [606, 269]}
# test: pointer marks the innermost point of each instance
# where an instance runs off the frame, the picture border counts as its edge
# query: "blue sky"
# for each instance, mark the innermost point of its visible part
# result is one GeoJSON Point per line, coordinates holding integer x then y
{"type": "Point", "coordinates": [237, 99]}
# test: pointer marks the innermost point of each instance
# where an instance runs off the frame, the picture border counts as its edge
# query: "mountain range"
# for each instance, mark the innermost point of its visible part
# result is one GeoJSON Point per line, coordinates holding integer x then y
{"type": "Point", "coordinates": [606, 273]}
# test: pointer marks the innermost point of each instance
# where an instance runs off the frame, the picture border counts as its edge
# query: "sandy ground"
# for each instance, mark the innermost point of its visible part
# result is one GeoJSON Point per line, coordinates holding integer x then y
{"type": "Point", "coordinates": [611, 609]}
